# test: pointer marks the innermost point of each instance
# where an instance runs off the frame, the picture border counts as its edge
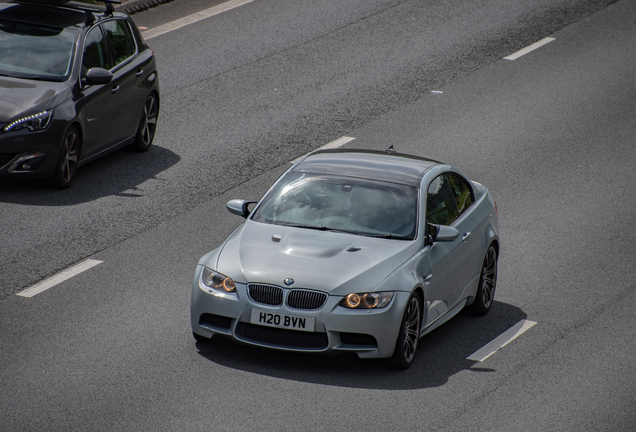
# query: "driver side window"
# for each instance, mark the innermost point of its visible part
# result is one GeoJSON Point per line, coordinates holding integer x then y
{"type": "Point", "coordinates": [441, 207]}
{"type": "Point", "coordinates": [95, 51]}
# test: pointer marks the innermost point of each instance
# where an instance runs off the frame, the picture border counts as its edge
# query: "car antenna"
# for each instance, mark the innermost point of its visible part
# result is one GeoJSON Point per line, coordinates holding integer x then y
{"type": "Point", "coordinates": [391, 149]}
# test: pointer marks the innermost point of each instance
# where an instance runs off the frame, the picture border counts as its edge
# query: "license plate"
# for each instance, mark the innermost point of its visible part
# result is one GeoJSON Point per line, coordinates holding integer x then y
{"type": "Point", "coordinates": [283, 321]}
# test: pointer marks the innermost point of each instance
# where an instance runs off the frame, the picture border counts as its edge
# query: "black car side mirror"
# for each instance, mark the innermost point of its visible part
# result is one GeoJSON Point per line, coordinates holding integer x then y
{"type": "Point", "coordinates": [241, 207]}
{"type": "Point", "coordinates": [97, 76]}
{"type": "Point", "coordinates": [441, 233]}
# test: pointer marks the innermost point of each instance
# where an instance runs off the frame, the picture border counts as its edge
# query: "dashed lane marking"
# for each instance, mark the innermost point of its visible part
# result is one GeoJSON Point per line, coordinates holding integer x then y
{"type": "Point", "coordinates": [333, 144]}
{"type": "Point", "coordinates": [191, 19]}
{"type": "Point", "coordinates": [59, 278]}
{"type": "Point", "coordinates": [529, 48]}
{"type": "Point", "coordinates": [501, 341]}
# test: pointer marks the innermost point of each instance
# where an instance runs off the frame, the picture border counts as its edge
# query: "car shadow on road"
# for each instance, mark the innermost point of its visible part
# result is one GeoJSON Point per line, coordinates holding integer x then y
{"type": "Point", "coordinates": [118, 173]}
{"type": "Point", "coordinates": [441, 354]}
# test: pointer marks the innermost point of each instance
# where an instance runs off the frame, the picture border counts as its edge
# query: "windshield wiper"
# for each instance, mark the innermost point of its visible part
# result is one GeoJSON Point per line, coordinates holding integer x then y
{"type": "Point", "coordinates": [387, 236]}
{"type": "Point", "coordinates": [297, 225]}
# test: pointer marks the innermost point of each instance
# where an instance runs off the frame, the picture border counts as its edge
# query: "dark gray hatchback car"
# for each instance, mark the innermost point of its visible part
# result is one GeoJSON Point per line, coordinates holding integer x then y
{"type": "Point", "coordinates": [76, 81]}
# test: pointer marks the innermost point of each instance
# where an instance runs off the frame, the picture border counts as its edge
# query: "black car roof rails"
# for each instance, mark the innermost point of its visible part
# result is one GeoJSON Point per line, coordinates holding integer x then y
{"type": "Point", "coordinates": [109, 5]}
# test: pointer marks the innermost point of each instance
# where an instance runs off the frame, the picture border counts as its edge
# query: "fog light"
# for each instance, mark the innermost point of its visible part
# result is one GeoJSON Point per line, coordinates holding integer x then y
{"type": "Point", "coordinates": [28, 162]}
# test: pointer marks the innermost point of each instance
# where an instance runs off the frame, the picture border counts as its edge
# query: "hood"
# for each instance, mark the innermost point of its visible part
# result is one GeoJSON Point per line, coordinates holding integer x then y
{"type": "Point", "coordinates": [333, 262]}
{"type": "Point", "coordinates": [21, 96]}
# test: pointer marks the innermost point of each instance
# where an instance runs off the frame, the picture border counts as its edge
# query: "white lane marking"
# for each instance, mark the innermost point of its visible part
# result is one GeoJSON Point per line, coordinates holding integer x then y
{"type": "Point", "coordinates": [191, 19]}
{"type": "Point", "coordinates": [333, 144]}
{"type": "Point", "coordinates": [529, 48]}
{"type": "Point", "coordinates": [59, 278]}
{"type": "Point", "coordinates": [501, 341]}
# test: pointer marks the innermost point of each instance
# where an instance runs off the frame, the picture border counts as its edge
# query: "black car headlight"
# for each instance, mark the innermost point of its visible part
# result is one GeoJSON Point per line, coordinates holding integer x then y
{"type": "Point", "coordinates": [217, 280]}
{"type": "Point", "coordinates": [35, 122]}
{"type": "Point", "coordinates": [372, 300]}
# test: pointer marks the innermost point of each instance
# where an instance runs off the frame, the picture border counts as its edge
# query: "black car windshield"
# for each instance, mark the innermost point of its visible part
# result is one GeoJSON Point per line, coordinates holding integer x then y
{"type": "Point", "coordinates": [35, 52]}
{"type": "Point", "coordinates": [358, 206]}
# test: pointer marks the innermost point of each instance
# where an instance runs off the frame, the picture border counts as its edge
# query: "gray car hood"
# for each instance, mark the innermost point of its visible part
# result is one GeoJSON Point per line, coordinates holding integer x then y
{"type": "Point", "coordinates": [18, 96]}
{"type": "Point", "coordinates": [333, 262]}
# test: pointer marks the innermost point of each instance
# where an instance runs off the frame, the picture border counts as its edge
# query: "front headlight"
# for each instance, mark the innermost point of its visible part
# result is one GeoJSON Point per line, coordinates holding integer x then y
{"type": "Point", "coordinates": [217, 280]}
{"type": "Point", "coordinates": [372, 300]}
{"type": "Point", "coordinates": [34, 122]}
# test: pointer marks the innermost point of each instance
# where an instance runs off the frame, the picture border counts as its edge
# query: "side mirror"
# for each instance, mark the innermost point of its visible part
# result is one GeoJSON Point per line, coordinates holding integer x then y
{"type": "Point", "coordinates": [241, 207]}
{"type": "Point", "coordinates": [442, 233]}
{"type": "Point", "coordinates": [97, 76]}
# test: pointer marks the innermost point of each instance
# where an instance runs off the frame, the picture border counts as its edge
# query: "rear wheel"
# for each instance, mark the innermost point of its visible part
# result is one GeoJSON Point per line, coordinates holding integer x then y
{"type": "Point", "coordinates": [67, 162]}
{"type": "Point", "coordinates": [409, 335]}
{"type": "Point", "coordinates": [487, 284]}
{"type": "Point", "coordinates": [147, 125]}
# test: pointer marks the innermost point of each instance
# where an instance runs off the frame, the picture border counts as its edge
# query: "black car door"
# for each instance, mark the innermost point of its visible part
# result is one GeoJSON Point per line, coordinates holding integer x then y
{"type": "Point", "coordinates": [100, 103]}
{"type": "Point", "coordinates": [129, 71]}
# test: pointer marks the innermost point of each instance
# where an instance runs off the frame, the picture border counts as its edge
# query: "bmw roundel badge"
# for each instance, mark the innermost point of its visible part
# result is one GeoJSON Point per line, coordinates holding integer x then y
{"type": "Point", "coordinates": [289, 281]}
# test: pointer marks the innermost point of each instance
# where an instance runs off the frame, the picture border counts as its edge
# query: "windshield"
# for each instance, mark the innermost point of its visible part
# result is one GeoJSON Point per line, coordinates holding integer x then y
{"type": "Point", "coordinates": [357, 206]}
{"type": "Point", "coordinates": [35, 52]}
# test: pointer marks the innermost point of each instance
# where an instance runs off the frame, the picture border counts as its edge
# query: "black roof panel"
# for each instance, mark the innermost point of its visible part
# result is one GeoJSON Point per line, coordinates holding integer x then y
{"type": "Point", "coordinates": [369, 164]}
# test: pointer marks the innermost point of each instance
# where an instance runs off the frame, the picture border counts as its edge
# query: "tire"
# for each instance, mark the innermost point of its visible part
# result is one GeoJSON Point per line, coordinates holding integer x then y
{"type": "Point", "coordinates": [67, 163]}
{"type": "Point", "coordinates": [487, 284]}
{"type": "Point", "coordinates": [409, 334]}
{"type": "Point", "coordinates": [147, 125]}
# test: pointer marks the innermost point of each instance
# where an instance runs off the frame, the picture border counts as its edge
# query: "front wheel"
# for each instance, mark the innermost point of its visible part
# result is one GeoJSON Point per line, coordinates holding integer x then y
{"type": "Point", "coordinates": [147, 125]}
{"type": "Point", "coordinates": [409, 335]}
{"type": "Point", "coordinates": [487, 284]}
{"type": "Point", "coordinates": [67, 162]}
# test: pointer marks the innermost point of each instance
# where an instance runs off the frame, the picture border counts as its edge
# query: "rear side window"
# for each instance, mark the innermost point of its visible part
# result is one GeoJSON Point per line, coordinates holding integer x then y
{"type": "Point", "coordinates": [463, 193]}
{"type": "Point", "coordinates": [441, 205]}
{"type": "Point", "coordinates": [120, 39]}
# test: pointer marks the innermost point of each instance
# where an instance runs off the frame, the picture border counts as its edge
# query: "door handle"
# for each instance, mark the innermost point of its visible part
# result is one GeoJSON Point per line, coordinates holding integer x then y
{"type": "Point", "coordinates": [139, 73]}
{"type": "Point", "coordinates": [465, 237]}
{"type": "Point", "coordinates": [114, 89]}
{"type": "Point", "coordinates": [427, 278]}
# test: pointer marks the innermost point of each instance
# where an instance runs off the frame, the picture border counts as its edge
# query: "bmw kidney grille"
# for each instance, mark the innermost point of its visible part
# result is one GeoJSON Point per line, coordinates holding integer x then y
{"type": "Point", "coordinates": [296, 299]}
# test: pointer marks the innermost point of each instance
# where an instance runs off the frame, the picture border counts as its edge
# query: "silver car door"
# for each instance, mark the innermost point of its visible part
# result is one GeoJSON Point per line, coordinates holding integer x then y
{"type": "Point", "coordinates": [445, 279]}
{"type": "Point", "coordinates": [471, 251]}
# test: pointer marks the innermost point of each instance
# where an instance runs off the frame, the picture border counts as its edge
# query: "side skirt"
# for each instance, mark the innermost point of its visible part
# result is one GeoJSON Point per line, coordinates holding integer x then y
{"type": "Point", "coordinates": [444, 318]}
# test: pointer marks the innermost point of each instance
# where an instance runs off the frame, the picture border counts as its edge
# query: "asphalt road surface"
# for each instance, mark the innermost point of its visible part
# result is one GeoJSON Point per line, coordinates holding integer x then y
{"type": "Point", "coordinates": [244, 92]}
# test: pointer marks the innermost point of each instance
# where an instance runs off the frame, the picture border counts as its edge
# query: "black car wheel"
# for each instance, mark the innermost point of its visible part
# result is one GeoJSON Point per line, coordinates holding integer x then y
{"type": "Point", "coordinates": [147, 125]}
{"type": "Point", "coordinates": [67, 162]}
{"type": "Point", "coordinates": [487, 284]}
{"type": "Point", "coordinates": [409, 335]}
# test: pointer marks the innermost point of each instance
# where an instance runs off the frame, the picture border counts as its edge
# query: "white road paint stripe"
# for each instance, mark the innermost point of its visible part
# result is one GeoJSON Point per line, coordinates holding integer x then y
{"type": "Point", "coordinates": [501, 341]}
{"type": "Point", "coordinates": [59, 278]}
{"type": "Point", "coordinates": [529, 48]}
{"type": "Point", "coordinates": [191, 19]}
{"type": "Point", "coordinates": [333, 144]}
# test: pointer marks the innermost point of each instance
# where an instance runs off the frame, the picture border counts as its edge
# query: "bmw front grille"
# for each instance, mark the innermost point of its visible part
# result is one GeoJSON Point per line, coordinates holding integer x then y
{"type": "Point", "coordinates": [301, 299]}
{"type": "Point", "coordinates": [306, 299]}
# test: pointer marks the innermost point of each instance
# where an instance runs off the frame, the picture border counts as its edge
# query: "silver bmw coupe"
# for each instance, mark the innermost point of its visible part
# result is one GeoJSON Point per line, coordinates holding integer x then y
{"type": "Point", "coordinates": [351, 251]}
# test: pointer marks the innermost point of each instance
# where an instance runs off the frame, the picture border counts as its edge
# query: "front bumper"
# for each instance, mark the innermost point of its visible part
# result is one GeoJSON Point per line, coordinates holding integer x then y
{"type": "Point", "coordinates": [369, 333]}
{"type": "Point", "coordinates": [29, 154]}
